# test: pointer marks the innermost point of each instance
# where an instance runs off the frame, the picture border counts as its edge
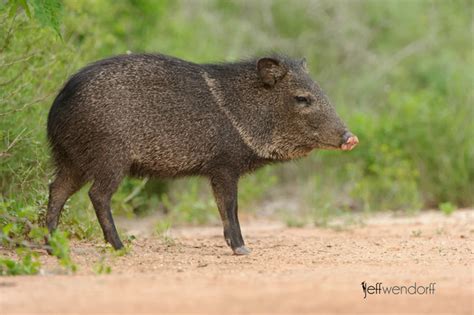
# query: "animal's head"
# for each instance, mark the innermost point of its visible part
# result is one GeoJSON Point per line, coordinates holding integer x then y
{"type": "Point", "coordinates": [303, 119]}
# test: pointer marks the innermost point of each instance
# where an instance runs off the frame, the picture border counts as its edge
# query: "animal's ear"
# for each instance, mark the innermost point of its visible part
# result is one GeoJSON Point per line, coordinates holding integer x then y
{"type": "Point", "coordinates": [270, 70]}
{"type": "Point", "coordinates": [304, 64]}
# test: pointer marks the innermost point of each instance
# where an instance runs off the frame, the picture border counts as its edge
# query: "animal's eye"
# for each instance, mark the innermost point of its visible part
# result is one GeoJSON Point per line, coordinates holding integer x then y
{"type": "Point", "coordinates": [303, 100]}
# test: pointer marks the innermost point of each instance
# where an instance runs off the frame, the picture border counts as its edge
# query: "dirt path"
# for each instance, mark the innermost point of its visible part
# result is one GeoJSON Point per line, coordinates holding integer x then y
{"type": "Point", "coordinates": [290, 271]}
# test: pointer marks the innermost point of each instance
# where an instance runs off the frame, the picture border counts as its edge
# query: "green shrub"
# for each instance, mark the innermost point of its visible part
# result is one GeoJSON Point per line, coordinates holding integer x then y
{"type": "Point", "coordinates": [447, 208]}
{"type": "Point", "coordinates": [28, 264]}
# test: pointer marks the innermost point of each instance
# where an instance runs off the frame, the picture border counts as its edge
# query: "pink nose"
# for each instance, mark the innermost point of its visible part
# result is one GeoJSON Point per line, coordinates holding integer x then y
{"type": "Point", "coordinates": [350, 141]}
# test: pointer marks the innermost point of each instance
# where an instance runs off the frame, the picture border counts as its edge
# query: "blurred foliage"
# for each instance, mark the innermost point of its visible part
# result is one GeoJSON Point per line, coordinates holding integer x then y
{"type": "Point", "coordinates": [28, 264]}
{"type": "Point", "coordinates": [447, 208]}
{"type": "Point", "coordinates": [189, 205]}
{"type": "Point", "coordinates": [400, 73]}
{"type": "Point", "coordinates": [47, 12]}
{"type": "Point", "coordinates": [101, 267]}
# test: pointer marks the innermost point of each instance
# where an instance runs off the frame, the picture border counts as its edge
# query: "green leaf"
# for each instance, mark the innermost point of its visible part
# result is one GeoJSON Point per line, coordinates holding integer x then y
{"type": "Point", "coordinates": [48, 13]}
{"type": "Point", "coordinates": [15, 4]}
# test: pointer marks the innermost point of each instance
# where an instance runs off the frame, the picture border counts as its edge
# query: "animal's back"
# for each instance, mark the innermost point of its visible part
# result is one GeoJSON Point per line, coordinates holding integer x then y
{"type": "Point", "coordinates": [141, 113]}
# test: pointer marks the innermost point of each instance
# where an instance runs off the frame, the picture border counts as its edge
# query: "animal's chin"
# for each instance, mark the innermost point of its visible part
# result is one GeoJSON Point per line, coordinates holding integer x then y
{"type": "Point", "coordinates": [294, 153]}
{"type": "Point", "coordinates": [302, 150]}
{"type": "Point", "coordinates": [316, 146]}
{"type": "Point", "coordinates": [305, 150]}
{"type": "Point", "coordinates": [326, 146]}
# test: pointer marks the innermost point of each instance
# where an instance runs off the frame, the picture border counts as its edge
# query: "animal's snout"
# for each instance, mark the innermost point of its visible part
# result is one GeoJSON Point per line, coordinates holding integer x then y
{"type": "Point", "coordinates": [349, 141]}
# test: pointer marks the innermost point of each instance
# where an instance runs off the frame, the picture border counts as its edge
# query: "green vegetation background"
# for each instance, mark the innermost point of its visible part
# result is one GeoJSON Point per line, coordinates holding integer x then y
{"type": "Point", "coordinates": [400, 72]}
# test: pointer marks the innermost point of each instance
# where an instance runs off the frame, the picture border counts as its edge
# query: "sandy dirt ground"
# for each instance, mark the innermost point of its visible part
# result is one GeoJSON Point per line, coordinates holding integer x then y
{"type": "Point", "coordinates": [291, 270]}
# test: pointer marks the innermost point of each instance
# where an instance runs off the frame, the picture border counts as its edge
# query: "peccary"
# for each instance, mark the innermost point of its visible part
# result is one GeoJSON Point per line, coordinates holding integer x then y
{"type": "Point", "coordinates": [159, 116]}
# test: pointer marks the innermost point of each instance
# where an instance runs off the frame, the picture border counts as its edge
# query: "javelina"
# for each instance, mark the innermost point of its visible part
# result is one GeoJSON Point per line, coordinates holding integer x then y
{"type": "Point", "coordinates": [155, 115]}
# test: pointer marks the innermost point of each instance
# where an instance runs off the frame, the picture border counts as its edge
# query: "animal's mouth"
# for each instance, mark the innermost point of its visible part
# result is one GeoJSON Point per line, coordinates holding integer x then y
{"type": "Point", "coordinates": [349, 142]}
{"type": "Point", "coordinates": [328, 146]}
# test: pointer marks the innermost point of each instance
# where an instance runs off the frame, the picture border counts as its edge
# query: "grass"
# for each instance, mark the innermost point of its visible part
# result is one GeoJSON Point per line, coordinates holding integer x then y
{"type": "Point", "coordinates": [162, 229]}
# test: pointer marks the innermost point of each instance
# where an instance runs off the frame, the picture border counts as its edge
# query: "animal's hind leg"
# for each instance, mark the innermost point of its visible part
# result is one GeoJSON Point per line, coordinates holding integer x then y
{"type": "Point", "coordinates": [100, 194]}
{"type": "Point", "coordinates": [64, 185]}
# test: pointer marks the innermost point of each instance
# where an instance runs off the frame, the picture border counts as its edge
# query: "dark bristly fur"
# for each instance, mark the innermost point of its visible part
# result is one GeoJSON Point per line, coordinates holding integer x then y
{"type": "Point", "coordinates": [155, 115]}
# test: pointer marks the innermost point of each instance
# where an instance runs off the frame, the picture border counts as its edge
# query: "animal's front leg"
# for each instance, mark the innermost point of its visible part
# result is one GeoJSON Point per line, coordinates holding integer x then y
{"type": "Point", "coordinates": [224, 186]}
